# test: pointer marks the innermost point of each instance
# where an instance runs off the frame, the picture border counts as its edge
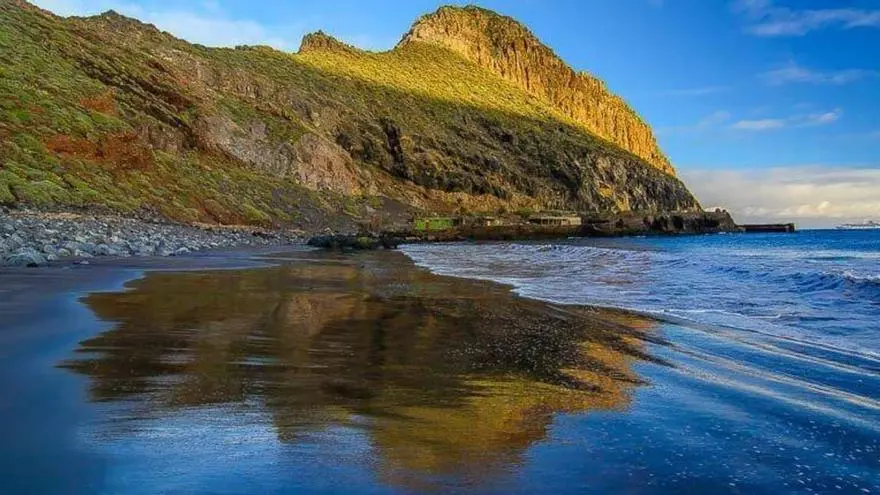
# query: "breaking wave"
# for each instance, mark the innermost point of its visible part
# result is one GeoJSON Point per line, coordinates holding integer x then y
{"type": "Point", "coordinates": [821, 286]}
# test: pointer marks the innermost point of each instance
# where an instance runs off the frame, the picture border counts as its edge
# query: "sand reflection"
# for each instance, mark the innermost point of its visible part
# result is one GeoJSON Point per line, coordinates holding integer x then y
{"type": "Point", "coordinates": [451, 377]}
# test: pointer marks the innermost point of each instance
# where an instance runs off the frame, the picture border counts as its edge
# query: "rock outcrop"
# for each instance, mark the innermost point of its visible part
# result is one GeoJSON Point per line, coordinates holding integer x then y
{"type": "Point", "coordinates": [509, 49]}
{"type": "Point", "coordinates": [320, 40]}
{"type": "Point", "coordinates": [110, 114]}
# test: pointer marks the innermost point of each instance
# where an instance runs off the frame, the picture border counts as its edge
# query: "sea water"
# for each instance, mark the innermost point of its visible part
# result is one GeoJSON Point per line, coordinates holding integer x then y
{"type": "Point", "coordinates": [816, 287]}
{"type": "Point", "coordinates": [767, 365]}
{"type": "Point", "coordinates": [756, 370]}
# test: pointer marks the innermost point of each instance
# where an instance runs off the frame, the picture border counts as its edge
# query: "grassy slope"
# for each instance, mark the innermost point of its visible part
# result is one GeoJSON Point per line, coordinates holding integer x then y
{"type": "Point", "coordinates": [104, 112]}
{"type": "Point", "coordinates": [47, 97]}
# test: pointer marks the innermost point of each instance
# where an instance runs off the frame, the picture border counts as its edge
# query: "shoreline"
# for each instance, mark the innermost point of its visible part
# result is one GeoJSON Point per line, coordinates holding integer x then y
{"type": "Point", "coordinates": [50, 317]}
{"type": "Point", "coordinates": [659, 317]}
{"type": "Point", "coordinates": [34, 238]}
{"type": "Point", "coordinates": [504, 369]}
{"type": "Point", "coordinates": [111, 273]}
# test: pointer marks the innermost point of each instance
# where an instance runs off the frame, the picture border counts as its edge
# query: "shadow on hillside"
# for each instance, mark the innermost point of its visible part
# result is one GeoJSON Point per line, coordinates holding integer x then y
{"type": "Point", "coordinates": [421, 115]}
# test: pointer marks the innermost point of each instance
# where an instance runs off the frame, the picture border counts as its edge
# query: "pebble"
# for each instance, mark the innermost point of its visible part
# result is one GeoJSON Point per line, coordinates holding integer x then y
{"type": "Point", "coordinates": [29, 238]}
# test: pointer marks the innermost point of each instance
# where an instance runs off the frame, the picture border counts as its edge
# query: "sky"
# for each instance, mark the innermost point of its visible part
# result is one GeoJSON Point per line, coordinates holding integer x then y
{"type": "Point", "coordinates": [769, 108]}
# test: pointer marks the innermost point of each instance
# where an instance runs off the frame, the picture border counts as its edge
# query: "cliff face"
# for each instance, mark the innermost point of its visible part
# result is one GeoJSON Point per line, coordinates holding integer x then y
{"type": "Point", "coordinates": [108, 112]}
{"type": "Point", "coordinates": [509, 49]}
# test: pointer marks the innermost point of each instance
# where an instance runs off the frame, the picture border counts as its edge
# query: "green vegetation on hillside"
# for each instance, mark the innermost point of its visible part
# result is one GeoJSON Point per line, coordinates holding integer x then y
{"type": "Point", "coordinates": [106, 112]}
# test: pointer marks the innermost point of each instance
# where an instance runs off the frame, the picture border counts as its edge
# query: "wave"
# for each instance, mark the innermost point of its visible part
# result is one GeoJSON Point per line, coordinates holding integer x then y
{"type": "Point", "coordinates": [872, 279]}
{"type": "Point", "coordinates": [578, 259]}
{"type": "Point", "coordinates": [572, 259]}
{"type": "Point", "coordinates": [825, 281]}
{"type": "Point", "coordinates": [717, 282]}
{"type": "Point", "coordinates": [802, 254]}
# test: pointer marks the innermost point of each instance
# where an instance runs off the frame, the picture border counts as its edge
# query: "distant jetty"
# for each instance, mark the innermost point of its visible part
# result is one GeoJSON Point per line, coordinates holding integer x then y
{"type": "Point", "coordinates": [762, 228]}
{"type": "Point", "coordinates": [869, 225]}
{"type": "Point", "coordinates": [543, 225]}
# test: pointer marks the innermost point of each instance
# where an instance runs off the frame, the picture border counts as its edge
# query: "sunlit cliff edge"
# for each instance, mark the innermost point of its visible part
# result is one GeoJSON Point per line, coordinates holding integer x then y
{"type": "Point", "coordinates": [469, 113]}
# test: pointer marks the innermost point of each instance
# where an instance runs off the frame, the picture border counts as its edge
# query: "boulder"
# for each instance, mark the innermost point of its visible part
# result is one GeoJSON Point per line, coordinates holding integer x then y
{"type": "Point", "coordinates": [70, 246]}
{"type": "Point", "coordinates": [82, 254]}
{"type": "Point", "coordinates": [106, 250]}
{"type": "Point", "coordinates": [351, 242]}
{"type": "Point", "coordinates": [14, 242]}
{"type": "Point", "coordinates": [26, 257]}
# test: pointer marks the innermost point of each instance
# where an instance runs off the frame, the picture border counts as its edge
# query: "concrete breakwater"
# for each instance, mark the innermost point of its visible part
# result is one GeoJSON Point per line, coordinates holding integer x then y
{"type": "Point", "coordinates": [544, 226]}
{"type": "Point", "coordinates": [764, 228]}
{"type": "Point", "coordinates": [555, 226]}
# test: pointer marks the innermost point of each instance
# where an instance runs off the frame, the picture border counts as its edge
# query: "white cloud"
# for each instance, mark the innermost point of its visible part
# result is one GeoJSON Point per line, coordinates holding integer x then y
{"type": "Point", "coordinates": [813, 196]}
{"type": "Point", "coordinates": [71, 7]}
{"type": "Point", "coordinates": [767, 19]}
{"type": "Point", "coordinates": [700, 91]}
{"type": "Point", "coordinates": [716, 121]}
{"type": "Point", "coordinates": [823, 118]}
{"type": "Point", "coordinates": [205, 24]}
{"type": "Point", "coordinates": [217, 31]}
{"type": "Point", "coordinates": [758, 125]}
{"type": "Point", "coordinates": [794, 73]}
{"type": "Point", "coordinates": [713, 120]}
{"type": "Point", "coordinates": [808, 120]}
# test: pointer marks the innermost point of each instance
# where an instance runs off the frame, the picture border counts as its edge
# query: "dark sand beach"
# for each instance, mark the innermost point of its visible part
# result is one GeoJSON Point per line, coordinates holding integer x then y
{"type": "Point", "coordinates": [447, 378]}
{"type": "Point", "coordinates": [303, 371]}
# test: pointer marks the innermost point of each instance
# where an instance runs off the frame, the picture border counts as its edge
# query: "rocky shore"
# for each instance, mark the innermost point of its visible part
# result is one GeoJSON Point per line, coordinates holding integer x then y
{"type": "Point", "coordinates": [29, 238]}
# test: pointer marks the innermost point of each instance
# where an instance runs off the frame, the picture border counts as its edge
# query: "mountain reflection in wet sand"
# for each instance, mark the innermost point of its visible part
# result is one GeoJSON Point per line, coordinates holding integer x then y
{"type": "Point", "coordinates": [448, 377]}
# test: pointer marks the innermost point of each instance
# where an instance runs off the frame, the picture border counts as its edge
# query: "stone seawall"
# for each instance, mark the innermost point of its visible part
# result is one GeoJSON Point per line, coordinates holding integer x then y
{"type": "Point", "coordinates": [626, 224]}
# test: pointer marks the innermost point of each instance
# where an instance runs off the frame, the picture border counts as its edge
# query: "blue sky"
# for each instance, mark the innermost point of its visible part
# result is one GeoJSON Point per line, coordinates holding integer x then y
{"type": "Point", "coordinates": [767, 107]}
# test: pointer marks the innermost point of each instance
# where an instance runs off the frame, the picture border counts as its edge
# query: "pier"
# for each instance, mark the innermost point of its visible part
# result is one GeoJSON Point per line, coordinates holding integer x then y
{"type": "Point", "coordinates": [768, 228]}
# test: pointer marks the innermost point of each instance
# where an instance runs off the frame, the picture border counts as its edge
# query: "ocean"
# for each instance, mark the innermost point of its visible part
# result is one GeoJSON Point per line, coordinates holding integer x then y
{"type": "Point", "coordinates": [816, 288]}
{"type": "Point", "coordinates": [706, 364]}
{"type": "Point", "coordinates": [770, 352]}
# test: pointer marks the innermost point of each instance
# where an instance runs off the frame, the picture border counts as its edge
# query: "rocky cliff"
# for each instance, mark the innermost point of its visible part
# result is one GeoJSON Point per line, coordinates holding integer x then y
{"type": "Point", "coordinates": [510, 50]}
{"type": "Point", "coordinates": [109, 113]}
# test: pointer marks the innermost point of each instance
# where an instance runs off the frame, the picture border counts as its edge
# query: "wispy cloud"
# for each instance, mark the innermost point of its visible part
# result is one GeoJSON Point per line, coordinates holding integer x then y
{"type": "Point", "coordinates": [805, 120]}
{"type": "Point", "coordinates": [205, 22]}
{"type": "Point", "coordinates": [714, 119]}
{"type": "Point", "coordinates": [218, 31]}
{"type": "Point", "coordinates": [818, 195]}
{"type": "Point", "coordinates": [822, 118]}
{"type": "Point", "coordinates": [758, 125]}
{"type": "Point", "coordinates": [723, 120]}
{"type": "Point", "coordinates": [698, 91]}
{"type": "Point", "coordinates": [711, 121]}
{"type": "Point", "coordinates": [765, 18]}
{"type": "Point", "coordinates": [794, 73]}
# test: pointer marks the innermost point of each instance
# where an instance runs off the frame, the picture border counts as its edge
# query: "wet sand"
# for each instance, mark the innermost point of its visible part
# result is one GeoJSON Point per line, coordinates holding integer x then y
{"type": "Point", "coordinates": [447, 380]}
{"type": "Point", "coordinates": [309, 372]}
{"type": "Point", "coordinates": [43, 407]}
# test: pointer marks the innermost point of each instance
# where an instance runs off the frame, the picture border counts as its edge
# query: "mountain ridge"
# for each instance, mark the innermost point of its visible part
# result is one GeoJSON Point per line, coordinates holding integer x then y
{"type": "Point", "coordinates": [510, 49]}
{"type": "Point", "coordinates": [109, 112]}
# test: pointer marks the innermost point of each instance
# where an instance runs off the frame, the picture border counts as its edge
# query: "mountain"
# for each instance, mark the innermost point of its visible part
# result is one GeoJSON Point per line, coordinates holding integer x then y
{"type": "Point", "coordinates": [469, 113]}
{"type": "Point", "coordinates": [507, 48]}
